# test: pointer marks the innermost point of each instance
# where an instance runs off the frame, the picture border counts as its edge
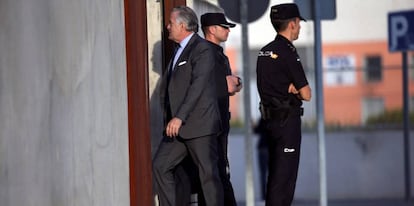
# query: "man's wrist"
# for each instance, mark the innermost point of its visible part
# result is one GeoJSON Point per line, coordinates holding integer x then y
{"type": "Point", "coordinates": [239, 81]}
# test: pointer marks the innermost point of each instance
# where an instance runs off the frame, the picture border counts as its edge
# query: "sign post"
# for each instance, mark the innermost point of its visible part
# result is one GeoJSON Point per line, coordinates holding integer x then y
{"type": "Point", "coordinates": [401, 38]}
{"type": "Point", "coordinates": [401, 31]}
{"type": "Point", "coordinates": [318, 10]}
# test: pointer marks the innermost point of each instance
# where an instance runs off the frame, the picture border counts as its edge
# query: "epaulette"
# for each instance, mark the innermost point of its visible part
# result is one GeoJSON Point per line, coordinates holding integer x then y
{"type": "Point", "coordinates": [292, 47]}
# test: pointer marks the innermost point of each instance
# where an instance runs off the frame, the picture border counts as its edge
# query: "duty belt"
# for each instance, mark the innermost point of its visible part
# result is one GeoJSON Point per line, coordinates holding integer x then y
{"type": "Point", "coordinates": [281, 114]}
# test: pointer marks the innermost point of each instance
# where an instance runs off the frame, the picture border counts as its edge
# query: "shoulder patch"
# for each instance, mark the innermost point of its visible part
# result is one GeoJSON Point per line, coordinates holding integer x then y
{"type": "Point", "coordinates": [268, 54]}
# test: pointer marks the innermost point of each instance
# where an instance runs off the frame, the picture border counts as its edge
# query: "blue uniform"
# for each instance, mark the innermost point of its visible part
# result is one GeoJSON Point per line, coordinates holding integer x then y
{"type": "Point", "coordinates": [278, 65]}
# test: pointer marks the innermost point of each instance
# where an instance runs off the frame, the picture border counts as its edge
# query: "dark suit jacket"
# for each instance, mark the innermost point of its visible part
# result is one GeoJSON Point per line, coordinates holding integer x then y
{"type": "Point", "coordinates": [191, 90]}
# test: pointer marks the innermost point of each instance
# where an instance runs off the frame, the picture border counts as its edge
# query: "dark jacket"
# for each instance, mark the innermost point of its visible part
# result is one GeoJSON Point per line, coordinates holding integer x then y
{"type": "Point", "coordinates": [191, 90]}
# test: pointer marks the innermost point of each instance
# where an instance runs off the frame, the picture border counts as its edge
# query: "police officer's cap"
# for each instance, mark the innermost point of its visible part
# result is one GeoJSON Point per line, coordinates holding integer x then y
{"type": "Point", "coordinates": [209, 19]}
{"type": "Point", "coordinates": [285, 11]}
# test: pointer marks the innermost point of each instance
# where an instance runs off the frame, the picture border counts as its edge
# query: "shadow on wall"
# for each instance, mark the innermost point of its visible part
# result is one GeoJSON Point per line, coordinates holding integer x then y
{"type": "Point", "coordinates": [156, 117]}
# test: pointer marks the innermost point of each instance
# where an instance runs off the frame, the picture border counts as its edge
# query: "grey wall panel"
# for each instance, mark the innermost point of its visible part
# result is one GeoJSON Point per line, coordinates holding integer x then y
{"type": "Point", "coordinates": [63, 104]}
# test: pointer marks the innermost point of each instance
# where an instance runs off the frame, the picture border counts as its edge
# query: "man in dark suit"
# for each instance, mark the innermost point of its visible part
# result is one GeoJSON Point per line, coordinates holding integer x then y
{"type": "Point", "coordinates": [191, 112]}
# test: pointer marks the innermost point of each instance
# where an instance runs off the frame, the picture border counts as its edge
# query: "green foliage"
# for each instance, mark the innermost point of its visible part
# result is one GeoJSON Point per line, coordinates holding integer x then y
{"type": "Point", "coordinates": [389, 117]}
{"type": "Point", "coordinates": [236, 123]}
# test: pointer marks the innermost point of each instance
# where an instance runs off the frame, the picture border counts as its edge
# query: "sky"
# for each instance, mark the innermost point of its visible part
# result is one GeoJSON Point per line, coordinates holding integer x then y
{"type": "Point", "coordinates": [355, 21]}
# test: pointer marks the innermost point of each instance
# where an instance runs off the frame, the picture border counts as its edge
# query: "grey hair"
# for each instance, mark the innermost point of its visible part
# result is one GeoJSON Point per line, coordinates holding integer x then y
{"type": "Point", "coordinates": [187, 16]}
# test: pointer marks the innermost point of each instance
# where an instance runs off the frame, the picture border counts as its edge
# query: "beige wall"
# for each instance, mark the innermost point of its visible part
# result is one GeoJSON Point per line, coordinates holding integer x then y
{"type": "Point", "coordinates": [155, 29]}
{"type": "Point", "coordinates": [63, 103]}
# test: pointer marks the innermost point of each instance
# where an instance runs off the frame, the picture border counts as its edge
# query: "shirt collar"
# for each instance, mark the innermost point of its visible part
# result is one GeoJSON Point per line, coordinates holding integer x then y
{"type": "Point", "coordinates": [280, 37]}
{"type": "Point", "coordinates": [185, 41]}
{"type": "Point", "coordinates": [218, 47]}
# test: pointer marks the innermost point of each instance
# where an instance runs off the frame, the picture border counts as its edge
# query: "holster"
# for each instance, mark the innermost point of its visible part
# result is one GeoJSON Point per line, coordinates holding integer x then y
{"type": "Point", "coordinates": [279, 110]}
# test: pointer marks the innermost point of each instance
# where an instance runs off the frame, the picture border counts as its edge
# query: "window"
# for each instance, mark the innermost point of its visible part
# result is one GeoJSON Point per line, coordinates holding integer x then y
{"type": "Point", "coordinates": [372, 106]}
{"type": "Point", "coordinates": [411, 65]}
{"type": "Point", "coordinates": [373, 68]}
{"type": "Point", "coordinates": [411, 104]}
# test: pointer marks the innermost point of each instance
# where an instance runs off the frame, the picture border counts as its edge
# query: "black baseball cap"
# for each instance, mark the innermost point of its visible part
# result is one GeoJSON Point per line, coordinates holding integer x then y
{"type": "Point", "coordinates": [209, 19]}
{"type": "Point", "coordinates": [285, 11]}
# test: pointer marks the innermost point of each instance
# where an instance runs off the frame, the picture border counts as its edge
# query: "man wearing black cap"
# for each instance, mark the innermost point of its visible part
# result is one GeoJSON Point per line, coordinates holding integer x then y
{"type": "Point", "coordinates": [282, 86]}
{"type": "Point", "coordinates": [216, 30]}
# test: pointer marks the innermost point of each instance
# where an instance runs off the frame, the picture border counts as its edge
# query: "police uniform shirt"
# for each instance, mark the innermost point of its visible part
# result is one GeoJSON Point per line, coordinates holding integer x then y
{"type": "Point", "coordinates": [222, 70]}
{"type": "Point", "coordinates": [278, 65]}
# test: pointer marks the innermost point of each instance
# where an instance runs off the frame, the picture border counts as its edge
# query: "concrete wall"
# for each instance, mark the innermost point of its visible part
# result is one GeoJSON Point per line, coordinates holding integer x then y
{"type": "Point", "coordinates": [155, 29]}
{"type": "Point", "coordinates": [63, 103]}
{"type": "Point", "coordinates": [360, 165]}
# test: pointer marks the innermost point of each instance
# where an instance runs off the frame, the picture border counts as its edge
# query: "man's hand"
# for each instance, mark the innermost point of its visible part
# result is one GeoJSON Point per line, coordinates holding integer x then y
{"type": "Point", "coordinates": [173, 127]}
{"type": "Point", "coordinates": [303, 93]}
{"type": "Point", "coordinates": [234, 84]}
{"type": "Point", "coordinates": [292, 89]}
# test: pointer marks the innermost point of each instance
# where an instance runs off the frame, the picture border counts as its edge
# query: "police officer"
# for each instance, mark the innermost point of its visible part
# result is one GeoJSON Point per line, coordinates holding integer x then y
{"type": "Point", "coordinates": [216, 31]}
{"type": "Point", "coordinates": [282, 86]}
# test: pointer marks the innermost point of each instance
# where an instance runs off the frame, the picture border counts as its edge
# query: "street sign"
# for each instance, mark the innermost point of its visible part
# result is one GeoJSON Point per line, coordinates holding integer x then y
{"type": "Point", "coordinates": [401, 31]}
{"type": "Point", "coordinates": [327, 9]}
{"type": "Point", "coordinates": [401, 38]}
{"type": "Point", "coordinates": [256, 9]}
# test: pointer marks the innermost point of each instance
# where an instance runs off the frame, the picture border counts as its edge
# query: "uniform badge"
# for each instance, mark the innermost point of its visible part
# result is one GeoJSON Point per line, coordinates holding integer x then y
{"type": "Point", "coordinates": [268, 54]}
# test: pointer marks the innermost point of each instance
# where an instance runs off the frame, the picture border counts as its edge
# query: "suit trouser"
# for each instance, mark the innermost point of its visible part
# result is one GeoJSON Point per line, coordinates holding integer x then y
{"type": "Point", "coordinates": [284, 152]}
{"type": "Point", "coordinates": [203, 151]}
{"type": "Point", "coordinates": [223, 165]}
{"type": "Point", "coordinates": [187, 181]}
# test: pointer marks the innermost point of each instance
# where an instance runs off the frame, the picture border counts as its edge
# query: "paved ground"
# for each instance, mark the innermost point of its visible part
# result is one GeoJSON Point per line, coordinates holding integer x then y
{"type": "Point", "coordinates": [349, 203]}
{"type": "Point", "coordinates": [368, 183]}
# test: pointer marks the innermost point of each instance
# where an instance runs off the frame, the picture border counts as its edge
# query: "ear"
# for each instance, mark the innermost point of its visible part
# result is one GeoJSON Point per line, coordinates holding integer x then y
{"type": "Point", "coordinates": [182, 26]}
{"type": "Point", "coordinates": [292, 24]}
{"type": "Point", "coordinates": [212, 29]}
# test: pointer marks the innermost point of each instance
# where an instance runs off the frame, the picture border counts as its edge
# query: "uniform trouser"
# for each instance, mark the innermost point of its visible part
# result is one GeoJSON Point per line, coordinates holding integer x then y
{"type": "Point", "coordinates": [284, 152]}
{"type": "Point", "coordinates": [263, 159]}
{"type": "Point", "coordinates": [223, 166]}
{"type": "Point", "coordinates": [203, 151]}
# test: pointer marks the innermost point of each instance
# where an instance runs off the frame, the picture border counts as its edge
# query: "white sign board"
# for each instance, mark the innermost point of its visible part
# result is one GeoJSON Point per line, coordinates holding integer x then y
{"type": "Point", "coordinates": [339, 70]}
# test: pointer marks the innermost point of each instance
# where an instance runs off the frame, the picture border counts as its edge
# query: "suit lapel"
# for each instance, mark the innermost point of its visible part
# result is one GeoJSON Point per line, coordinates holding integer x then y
{"type": "Point", "coordinates": [184, 55]}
